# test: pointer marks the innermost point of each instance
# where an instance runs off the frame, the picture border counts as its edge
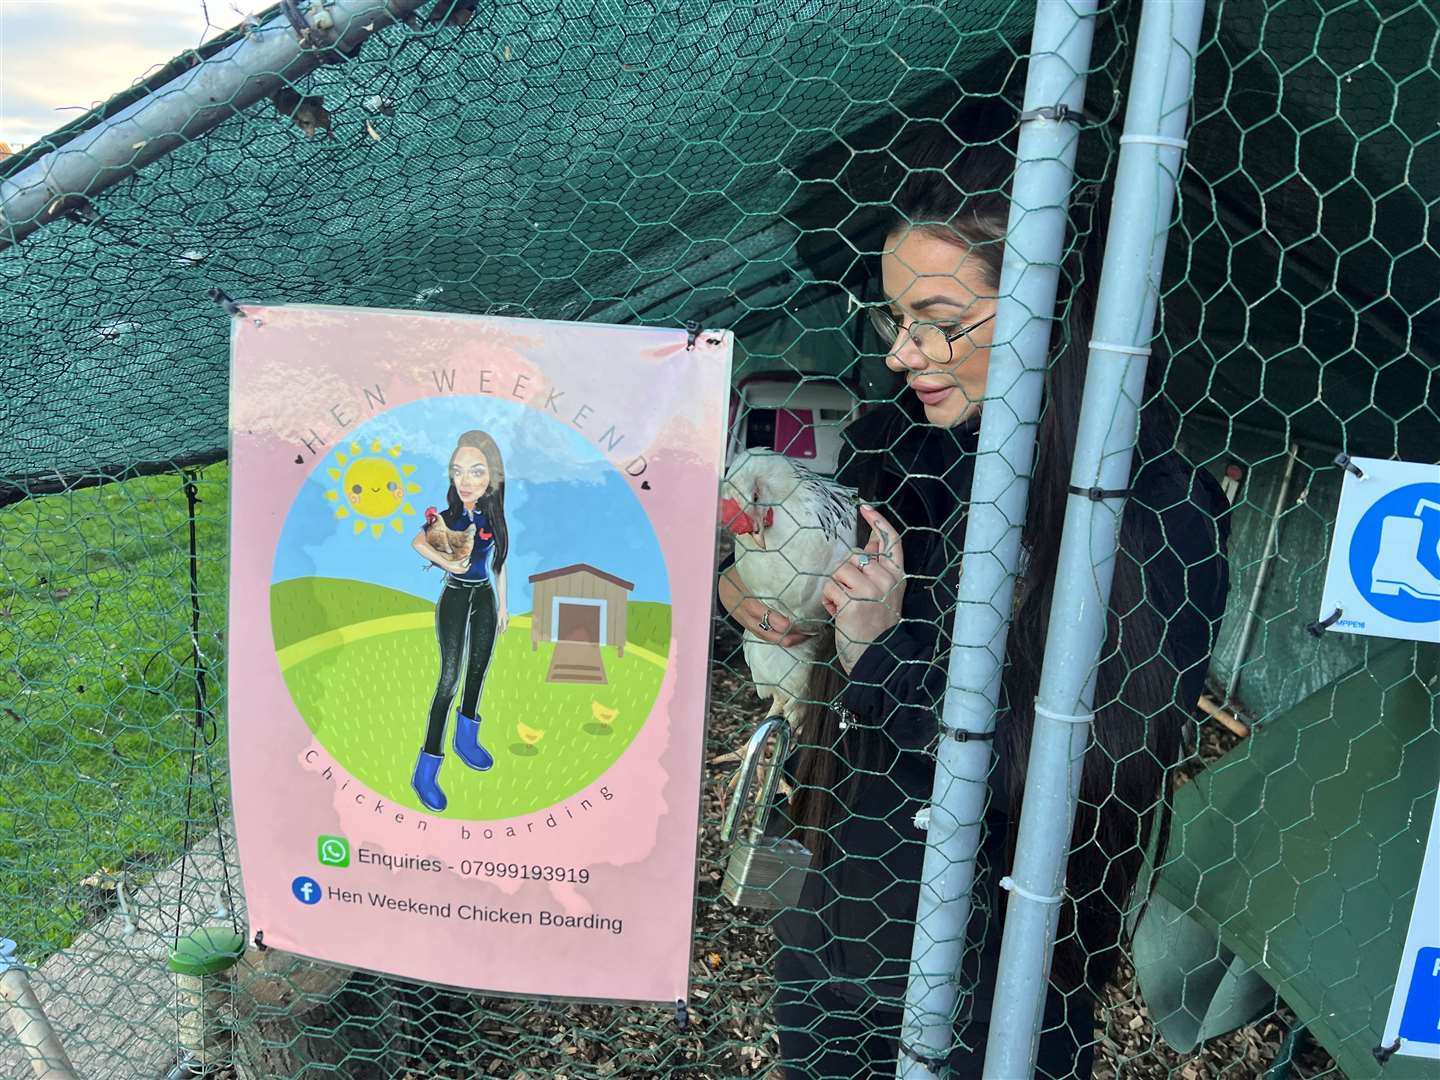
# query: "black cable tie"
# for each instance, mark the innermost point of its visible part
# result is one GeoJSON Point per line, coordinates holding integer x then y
{"type": "Point", "coordinates": [1346, 462]}
{"type": "Point", "coordinates": [961, 735]}
{"type": "Point", "coordinates": [682, 1015]}
{"type": "Point", "coordinates": [221, 297]}
{"type": "Point", "coordinates": [937, 1065]}
{"type": "Point", "coordinates": [298, 21]}
{"type": "Point", "coordinates": [1099, 494]}
{"type": "Point", "coordinates": [692, 331]}
{"type": "Point", "coordinates": [1318, 628]}
{"type": "Point", "coordinates": [1385, 1053]}
{"type": "Point", "coordinates": [1061, 114]}
{"type": "Point", "coordinates": [260, 941]}
{"type": "Point", "coordinates": [81, 210]}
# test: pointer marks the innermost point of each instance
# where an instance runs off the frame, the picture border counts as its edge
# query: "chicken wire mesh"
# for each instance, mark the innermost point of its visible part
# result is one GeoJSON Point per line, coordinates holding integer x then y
{"type": "Point", "coordinates": [741, 165]}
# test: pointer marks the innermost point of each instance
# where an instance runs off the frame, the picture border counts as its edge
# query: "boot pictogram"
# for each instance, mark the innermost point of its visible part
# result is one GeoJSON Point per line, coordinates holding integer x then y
{"type": "Point", "coordinates": [1398, 567]}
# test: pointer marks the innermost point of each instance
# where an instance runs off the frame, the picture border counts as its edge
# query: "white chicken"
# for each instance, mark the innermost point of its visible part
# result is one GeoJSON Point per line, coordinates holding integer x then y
{"type": "Point", "coordinates": [792, 528]}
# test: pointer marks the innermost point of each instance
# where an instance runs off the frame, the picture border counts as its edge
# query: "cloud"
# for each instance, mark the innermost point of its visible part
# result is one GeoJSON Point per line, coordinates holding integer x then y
{"type": "Point", "coordinates": [60, 53]}
{"type": "Point", "coordinates": [539, 447]}
{"type": "Point", "coordinates": [564, 503]}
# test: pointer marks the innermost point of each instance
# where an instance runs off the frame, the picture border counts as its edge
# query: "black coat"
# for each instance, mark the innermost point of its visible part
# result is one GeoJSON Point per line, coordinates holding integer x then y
{"type": "Point", "coordinates": [855, 920]}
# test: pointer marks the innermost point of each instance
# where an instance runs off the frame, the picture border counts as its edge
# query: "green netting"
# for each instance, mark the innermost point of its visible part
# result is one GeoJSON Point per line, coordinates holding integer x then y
{"type": "Point", "coordinates": [727, 163]}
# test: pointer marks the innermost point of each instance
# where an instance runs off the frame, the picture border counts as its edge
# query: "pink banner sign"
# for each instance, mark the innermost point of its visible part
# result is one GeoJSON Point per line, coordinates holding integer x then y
{"type": "Point", "coordinates": [472, 562]}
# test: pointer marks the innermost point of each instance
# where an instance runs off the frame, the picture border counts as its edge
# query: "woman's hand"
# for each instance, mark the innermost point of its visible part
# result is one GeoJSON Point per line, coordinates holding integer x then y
{"type": "Point", "coordinates": [751, 612]}
{"type": "Point", "coordinates": [455, 566]}
{"type": "Point", "coordinates": [502, 621]}
{"type": "Point", "coordinates": [866, 591]}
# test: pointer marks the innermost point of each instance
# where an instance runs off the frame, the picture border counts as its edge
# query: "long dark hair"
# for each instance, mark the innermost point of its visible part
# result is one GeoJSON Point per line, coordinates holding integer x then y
{"type": "Point", "coordinates": [959, 192]}
{"type": "Point", "coordinates": [492, 503]}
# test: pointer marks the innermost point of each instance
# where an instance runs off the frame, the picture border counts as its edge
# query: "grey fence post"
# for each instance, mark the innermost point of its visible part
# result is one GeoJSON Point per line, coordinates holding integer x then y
{"type": "Point", "coordinates": [1044, 173]}
{"type": "Point", "coordinates": [255, 66]}
{"type": "Point", "coordinates": [32, 1027]}
{"type": "Point", "coordinates": [1147, 174]}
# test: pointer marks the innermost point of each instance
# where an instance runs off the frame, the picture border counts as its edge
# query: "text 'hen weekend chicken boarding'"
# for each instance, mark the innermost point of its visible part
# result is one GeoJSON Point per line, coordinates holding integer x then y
{"type": "Point", "coordinates": [469, 632]}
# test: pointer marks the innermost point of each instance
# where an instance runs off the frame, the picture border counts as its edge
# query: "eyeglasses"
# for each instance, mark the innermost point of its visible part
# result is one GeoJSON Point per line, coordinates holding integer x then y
{"type": "Point", "coordinates": [935, 339]}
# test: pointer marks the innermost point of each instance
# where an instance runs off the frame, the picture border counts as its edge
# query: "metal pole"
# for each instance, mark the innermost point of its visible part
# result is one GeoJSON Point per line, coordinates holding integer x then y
{"type": "Point", "coordinates": [47, 1057]}
{"type": "Point", "coordinates": [183, 109]}
{"type": "Point", "coordinates": [1035, 238]}
{"type": "Point", "coordinates": [1267, 557]}
{"type": "Point", "coordinates": [1146, 178]}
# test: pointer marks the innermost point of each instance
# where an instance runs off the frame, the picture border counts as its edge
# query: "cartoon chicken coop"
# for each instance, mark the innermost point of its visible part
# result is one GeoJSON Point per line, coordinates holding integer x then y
{"type": "Point", "coordinates": [580, 609]}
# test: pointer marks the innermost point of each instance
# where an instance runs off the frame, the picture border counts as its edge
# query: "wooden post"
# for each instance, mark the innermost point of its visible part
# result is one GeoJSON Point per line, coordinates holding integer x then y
{"type": "Point", "coordinates": [1224, 716]}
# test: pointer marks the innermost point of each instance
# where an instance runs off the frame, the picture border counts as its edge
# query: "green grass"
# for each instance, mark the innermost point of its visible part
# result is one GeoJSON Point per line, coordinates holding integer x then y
{"type": "Point", "coordinates": [313, 605]}
{"type": "Point", "coordinates": [368, 700]}
{"type": "Point", "coordinates": [648, 625]}
{"type": "Point", "coordinates": [96, 698]}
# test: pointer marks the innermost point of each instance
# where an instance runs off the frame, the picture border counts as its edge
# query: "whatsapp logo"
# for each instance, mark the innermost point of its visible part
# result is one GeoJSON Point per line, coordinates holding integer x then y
{"type": "Point", "coordinates": [332, 851]}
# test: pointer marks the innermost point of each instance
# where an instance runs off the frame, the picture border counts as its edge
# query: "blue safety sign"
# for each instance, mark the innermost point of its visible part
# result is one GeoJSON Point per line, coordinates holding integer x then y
{"type": "Point", "coordinates": [1383, 577]}
{"type": "Point", "coordinates": [1420, 1021]}
{"type": "Point", "coordinates": [1412, 1025]}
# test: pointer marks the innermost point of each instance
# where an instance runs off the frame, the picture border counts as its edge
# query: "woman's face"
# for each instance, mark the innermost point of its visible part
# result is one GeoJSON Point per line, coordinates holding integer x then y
{"type": "Point", "coordinates": [470, 474]}
{"type": "Point", "coordinates": [930, 279]}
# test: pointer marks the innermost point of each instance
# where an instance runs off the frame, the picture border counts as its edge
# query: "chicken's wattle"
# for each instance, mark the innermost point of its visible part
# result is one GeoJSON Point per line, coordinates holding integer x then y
{"type": "Point", "coordinates": [740, 523]}
{"type": "Point", "coordinates": [734, 519]}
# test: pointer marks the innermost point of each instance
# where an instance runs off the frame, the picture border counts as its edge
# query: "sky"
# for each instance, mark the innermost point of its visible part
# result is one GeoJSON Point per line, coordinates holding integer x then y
{"type": "Point", "coordinates": [564, 503]}
{"type": "Point", "coordinates": [56, 54]}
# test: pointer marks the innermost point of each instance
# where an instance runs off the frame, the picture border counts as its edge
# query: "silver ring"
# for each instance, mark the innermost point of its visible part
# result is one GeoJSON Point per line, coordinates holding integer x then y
{"type": "Point", "coordinates": [765, 622]}
{"type": "Point", "coordinates": [865, 559]}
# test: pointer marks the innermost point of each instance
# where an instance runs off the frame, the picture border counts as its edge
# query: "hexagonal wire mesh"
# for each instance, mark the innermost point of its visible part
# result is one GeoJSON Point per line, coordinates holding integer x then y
{"type": "Point", "coordinates": [759, 166]}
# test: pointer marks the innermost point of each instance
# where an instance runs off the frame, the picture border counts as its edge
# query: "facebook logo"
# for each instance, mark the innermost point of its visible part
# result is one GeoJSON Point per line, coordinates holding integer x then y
{"type": "Point", "coordinates": [306, 890]}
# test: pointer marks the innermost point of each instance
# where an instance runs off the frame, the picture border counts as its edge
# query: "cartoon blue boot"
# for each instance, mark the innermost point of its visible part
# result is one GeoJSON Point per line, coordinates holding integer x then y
{"type": "Point", "coordinates": [426, 782]}
{"type": "Point", "coordinates": [467, 744]}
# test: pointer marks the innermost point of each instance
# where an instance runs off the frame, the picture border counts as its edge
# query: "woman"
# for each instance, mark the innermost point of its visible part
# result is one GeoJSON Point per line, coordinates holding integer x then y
{"type": "Point", "coordinates": [845, 949]}
{"type": "Point", "coordinates": [471, 610]}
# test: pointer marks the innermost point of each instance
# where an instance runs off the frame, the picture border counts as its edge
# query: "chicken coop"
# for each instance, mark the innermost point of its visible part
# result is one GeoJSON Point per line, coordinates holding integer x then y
{"type": "Point", "coordinates": [581, 610]}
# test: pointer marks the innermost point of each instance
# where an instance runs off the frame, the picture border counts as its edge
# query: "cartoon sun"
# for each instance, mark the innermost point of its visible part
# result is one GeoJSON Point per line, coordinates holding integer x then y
{"type": "Point", "coordinates": [372, 487]}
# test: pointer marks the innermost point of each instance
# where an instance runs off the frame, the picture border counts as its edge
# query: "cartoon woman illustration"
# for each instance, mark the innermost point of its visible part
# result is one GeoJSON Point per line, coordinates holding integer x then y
{"type": "Point", "coordinates": [471, 610]}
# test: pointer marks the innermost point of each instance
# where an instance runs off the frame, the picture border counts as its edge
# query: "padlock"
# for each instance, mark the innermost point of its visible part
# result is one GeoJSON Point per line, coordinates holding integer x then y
{"type": "Point", "coordinates": [763, 871]}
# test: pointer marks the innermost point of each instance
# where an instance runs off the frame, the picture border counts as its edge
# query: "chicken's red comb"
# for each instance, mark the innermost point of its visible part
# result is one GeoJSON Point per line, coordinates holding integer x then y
{"type": "Point", "coordinates": [430, 513]}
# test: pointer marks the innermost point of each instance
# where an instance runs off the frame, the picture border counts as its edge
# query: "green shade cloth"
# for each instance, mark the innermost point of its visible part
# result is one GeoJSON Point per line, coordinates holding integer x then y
{"type": "Point", "coordinates": [1294, 861]}
{"type": "Point", "coordinates": [699, 160]}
